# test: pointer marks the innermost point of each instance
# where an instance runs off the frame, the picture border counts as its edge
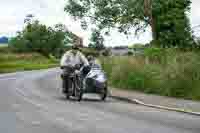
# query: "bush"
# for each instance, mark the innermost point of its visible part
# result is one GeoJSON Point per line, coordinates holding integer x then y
{"type": "Point", "coordinates": [106, 52]}
{"type": "Point", "coordinates": [130, 53]}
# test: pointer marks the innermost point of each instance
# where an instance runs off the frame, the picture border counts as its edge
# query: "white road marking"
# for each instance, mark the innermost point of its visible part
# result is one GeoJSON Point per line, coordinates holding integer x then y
{"type": "Point", "coordinates": [3, 79]}
{"type": "Point", "coordinates": [21, 92]}
{"type": "Point", "coordinates": [36, 123]}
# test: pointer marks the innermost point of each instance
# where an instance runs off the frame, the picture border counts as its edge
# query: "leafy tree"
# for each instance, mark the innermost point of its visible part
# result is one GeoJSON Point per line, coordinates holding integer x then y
{"type": "Point", "coordinates": [167, 18]}
{"type": "Point", "coordinates": [39, 38]}
{"type": "Point", "coordinates": [29, 18]}
{"type": "Point", "coordinates": [172, 24]}
{"type": "Point", "coordinates": [97, 40]}
{"type": "Point", "coordinates": [18, 44]}
{"type": "Point", "coordinates": [90, 45]}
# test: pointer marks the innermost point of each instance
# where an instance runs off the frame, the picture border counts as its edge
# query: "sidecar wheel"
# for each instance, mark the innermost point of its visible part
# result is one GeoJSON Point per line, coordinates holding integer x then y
{"type": "Point", "coordinates": [67, 96]}
{"type": "Point", "coordinates": [104, 94]}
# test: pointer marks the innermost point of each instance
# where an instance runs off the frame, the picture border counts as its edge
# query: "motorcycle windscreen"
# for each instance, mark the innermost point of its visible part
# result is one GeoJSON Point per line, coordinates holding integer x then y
{"type": "Point", "coordinates": [97, 75]}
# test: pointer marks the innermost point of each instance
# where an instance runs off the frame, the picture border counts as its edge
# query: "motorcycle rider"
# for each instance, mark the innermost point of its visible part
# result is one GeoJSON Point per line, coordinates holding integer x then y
{"type": "Point", "coordinates": [71, 58]}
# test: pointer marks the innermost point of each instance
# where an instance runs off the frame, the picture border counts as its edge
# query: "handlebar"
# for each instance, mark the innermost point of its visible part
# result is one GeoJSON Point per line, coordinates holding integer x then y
{"type": "Point", "coordinates": [77, 66]}
{"type": "Point", "coordinates": [72, 69]}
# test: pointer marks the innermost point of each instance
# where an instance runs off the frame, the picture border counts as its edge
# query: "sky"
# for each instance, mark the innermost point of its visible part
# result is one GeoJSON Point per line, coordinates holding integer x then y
{"type": "Point", "coordinates": [50, 12]}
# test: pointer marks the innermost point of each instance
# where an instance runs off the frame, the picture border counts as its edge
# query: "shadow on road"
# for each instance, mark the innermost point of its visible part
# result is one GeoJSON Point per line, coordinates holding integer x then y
{"type": "Point", "coordinates": [62, 98]}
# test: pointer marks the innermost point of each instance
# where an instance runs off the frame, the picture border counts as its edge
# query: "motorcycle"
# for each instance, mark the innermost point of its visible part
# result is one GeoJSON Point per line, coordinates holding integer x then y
{"type": "Point", "coordinates": [90, 79]}
{"type": "Point", "coordinates": [74, 82]}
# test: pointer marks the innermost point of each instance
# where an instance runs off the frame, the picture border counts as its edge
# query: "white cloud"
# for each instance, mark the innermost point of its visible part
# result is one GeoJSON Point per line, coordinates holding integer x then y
{"type": "Point", "coordinates": [50, 12]}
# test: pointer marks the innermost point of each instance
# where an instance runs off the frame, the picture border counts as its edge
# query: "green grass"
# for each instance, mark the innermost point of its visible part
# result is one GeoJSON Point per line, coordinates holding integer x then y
{"type": "Point", "coordinates": [169, 73]}
{"type": "Point", "coordinates": [12, 62]}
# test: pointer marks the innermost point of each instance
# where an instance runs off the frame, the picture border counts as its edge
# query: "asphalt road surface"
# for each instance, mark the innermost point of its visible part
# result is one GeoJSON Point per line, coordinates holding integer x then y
{"type": "Point", "coordinates": [31, 102]}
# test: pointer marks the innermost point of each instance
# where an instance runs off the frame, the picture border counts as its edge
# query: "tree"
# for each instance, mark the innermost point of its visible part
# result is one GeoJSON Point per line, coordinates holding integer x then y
{"type": "Point", "coordinates": [39, 38]}
{"type": "Point", "coordinates": [167, 18]}
{"type": "Point", "coordinates": [29, 18]}
{"type": "Point", "coordinates": [172, 24]}
{"type": "Point", "coordinates": [18, 44]}
{"type": "Point", "coordinates": [97, 40]}
{"type": "Point", "coordinates": [123, 14]}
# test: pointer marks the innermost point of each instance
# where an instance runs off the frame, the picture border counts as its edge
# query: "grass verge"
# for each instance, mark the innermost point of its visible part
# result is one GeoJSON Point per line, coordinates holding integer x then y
{"type": "Point", "coordinates": [168, 72]}
{"type": "Point", "coordinates": [12, 62]}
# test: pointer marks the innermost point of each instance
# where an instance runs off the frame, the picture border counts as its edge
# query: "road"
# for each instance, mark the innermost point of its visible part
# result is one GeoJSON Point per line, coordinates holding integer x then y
{"type": "Point", "coordinates": [32, 102]}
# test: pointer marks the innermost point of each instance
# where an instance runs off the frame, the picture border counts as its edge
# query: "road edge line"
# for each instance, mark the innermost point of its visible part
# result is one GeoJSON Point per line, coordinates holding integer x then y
{"type": "Point", "coordinates": [136, 101]}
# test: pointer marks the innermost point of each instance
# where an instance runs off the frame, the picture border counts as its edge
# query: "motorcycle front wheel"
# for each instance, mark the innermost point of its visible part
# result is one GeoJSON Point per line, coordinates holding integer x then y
{"type": "Point", "coordinates": [78, 91]}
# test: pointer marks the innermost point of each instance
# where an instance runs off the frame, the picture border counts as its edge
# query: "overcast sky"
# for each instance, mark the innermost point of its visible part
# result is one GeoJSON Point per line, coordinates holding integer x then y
{"type": "Point", "coordinates": [50, 12]}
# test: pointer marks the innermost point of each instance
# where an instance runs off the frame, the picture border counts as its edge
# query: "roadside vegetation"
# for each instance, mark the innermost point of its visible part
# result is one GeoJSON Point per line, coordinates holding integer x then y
{"type": "Point", "coordinates": [167, 72]}
{"type": "Point", "coordinates": [12, 62]}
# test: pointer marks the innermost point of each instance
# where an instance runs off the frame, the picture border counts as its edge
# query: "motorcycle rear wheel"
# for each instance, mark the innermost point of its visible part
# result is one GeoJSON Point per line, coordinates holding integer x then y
{"type": "Point", "coordinates": [67, 95]}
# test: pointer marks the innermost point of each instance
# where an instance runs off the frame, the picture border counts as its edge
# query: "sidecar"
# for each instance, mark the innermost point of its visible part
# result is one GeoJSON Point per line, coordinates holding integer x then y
{"type": "Point", "coordinates": [96, 81]}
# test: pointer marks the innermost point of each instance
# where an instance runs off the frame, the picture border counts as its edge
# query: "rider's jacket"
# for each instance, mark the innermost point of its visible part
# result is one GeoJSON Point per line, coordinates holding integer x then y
{"type": "Point", "coordinates": [69, 58]}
